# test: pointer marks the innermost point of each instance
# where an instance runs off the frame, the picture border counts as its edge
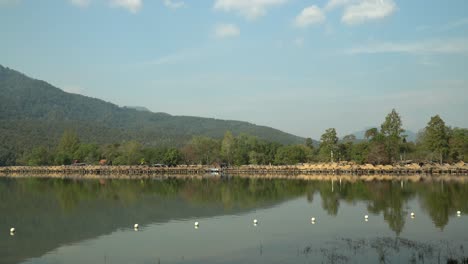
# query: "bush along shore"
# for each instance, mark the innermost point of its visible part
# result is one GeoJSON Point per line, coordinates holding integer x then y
{"type": "Point", "coordinates": [305, 171]}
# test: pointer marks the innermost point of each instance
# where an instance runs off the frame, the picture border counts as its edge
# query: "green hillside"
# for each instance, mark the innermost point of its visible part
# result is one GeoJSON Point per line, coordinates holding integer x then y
{"type": "Point", "coordinates": [33, 112]}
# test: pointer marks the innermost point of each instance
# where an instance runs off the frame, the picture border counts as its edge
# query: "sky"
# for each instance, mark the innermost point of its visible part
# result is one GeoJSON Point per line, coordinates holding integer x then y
{"type": "Point", "coordinates": [301, 66]}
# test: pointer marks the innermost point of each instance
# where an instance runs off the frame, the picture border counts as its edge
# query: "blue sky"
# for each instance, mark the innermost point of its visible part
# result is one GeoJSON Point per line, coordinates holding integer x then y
{"type": "Point", "coordinates": [296, 65]}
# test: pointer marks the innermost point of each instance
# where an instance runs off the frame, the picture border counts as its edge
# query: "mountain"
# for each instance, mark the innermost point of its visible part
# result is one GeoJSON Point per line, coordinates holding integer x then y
{"type": "Point", "coordinates": [411, 136]}
{"type": "Point", "coordinates": [33, 112]}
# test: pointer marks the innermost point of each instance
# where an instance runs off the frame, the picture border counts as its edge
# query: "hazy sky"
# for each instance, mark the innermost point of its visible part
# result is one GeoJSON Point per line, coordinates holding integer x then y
{"type": "Point", "coordinates": [301, 66]}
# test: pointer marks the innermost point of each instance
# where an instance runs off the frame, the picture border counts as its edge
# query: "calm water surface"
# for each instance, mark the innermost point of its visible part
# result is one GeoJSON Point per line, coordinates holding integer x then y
{"type": "Point", "coordinates": [66, 221]}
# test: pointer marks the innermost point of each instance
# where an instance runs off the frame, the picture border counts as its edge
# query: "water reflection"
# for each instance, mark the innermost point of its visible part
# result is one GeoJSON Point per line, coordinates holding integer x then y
{"type": "Point", "coordinates": [50, 213]}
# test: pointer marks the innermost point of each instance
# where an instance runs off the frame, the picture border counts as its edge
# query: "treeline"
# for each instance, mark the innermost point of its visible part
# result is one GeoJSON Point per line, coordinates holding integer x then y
{"type": "Point", "coordinates": [387, 145]}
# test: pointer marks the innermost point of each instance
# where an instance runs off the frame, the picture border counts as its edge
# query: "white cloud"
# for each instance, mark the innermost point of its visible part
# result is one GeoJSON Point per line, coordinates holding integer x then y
{"type": "Point", "coordinates": [366, 10]}
{"type": "Point", "coordinates": [309, 16]}
{"type": "Point", "coordinates": [80, 3]}
{"type": "Point", "coordinates": [174, 4]}
{"type": "Point", "coordinates": [226, 31]}
{"type": "Point", "coordinates": [447, 46]}
{"type": "Point", "coordinates": [132, 5]}
{"type": "Point", "coordinates": [250, 9]}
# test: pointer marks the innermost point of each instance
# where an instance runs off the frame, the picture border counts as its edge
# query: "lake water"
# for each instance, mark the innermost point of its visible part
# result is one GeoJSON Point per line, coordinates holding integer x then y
{"type": "Point", "coordinates": [91, 221]}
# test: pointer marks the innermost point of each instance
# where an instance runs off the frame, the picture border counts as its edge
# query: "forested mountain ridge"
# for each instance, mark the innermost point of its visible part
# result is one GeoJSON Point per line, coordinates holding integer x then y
{"type": "Point", "coordinates": [33, 112]}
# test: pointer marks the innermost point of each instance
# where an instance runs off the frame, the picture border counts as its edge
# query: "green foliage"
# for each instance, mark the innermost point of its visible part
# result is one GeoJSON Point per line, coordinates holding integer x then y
{"type": "Point", "coordinates": [328, 145]}
{"type": "Point", "coordinates": [172, 157]}
{"type": "Point", "coordinates": [392, 131]}
{"type": "Point", "coordinates": [202, 150]}
{"type": "Point", "coordinates": [392, 126]}
{"type": "Point", "coordinates": [227, 147]}
{"type": "Point", "coordinates": [36, 157]}
{"type": "Point", "coordinates": [458, 145]}
{"type": "Point", "coordinates": [87, 153]}
{"type": "Point", "coordinates": [293, 154]}
{"type": "Point", "coordinates": [436, 138]}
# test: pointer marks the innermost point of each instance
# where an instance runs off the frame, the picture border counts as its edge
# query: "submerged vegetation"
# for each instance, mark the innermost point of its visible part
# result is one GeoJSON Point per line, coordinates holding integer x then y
{"type": "Point", "coordinates": [387, 145]}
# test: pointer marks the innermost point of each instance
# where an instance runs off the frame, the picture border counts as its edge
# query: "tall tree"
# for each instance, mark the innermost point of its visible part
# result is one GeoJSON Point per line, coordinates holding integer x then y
{"type": "Point", "coordinates": [392, 130]}
{"type": "Point", "coordinates": [458, 144]}
{"type": "Point", "coordinates": [69, 144]}
{"type": "Point", "coordinates": [392, 126]}
{"type": "Point", "coordinates": [227, 147]}
{"type": "Point", "coordinates": [328, 144]}
{"type": "Point", "coordinates": [436, 137]}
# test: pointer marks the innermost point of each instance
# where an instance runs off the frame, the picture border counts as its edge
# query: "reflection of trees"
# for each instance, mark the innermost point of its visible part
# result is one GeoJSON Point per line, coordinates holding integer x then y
{"type": "Point", "coordinates": [389, 199]}
{"type": "Point", "coordinates": [439, 200]}
{"type": "Point", "coordinates": [330, 198]}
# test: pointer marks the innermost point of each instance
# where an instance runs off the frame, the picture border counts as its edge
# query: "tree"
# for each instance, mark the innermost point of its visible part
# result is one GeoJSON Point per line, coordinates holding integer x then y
{"type": "Point", "coordinates": [349, 138]}
{"type": "Point", "coordinates": [69, 144]}
{"type": "Point", "coordinates": [88, 153]}
{"type": "Point", "coordinates": [37, 157]}
{"type": "Point", "coordinates": [436, 137]}
{"type": "Point", "coordinates": [371, 133]}
{"type": "Point", "coordinates": [227, 147]}
{"type": "Point", "coordinates": [392, 129]}
{"type": "Point", "coordinates": [172, 157]}
{"type": "Point", "coordinates": [458, 144]}
{"type": "Point", "coordinates": [392, 126]}
{"type": "Point", "coordinates": [130, 154]}
{"type": "Point", "coordinates": [204, 150]}
{"type": "Point", "coordinates": [309, 143]}
{"type": "Point", "coordinates": [292, 154]}
{"type": "Point", "coordinates": [328, 144]}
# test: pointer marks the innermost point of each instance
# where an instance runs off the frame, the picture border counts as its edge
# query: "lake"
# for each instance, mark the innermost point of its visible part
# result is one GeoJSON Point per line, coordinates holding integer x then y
{"type": "Point", "coordinates": [92, 221]}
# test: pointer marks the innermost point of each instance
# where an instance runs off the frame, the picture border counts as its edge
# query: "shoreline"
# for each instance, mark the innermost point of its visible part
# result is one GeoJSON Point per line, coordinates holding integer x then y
{"type": "Point", "coordinates": [319, 171]}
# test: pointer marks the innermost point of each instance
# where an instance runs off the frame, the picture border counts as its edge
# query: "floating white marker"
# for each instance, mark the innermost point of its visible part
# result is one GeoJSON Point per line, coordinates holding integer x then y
{"type": "Point", "coordinates": [255, 221]}
{"type": "Point", "coordinates": [366, 217]}
{"type": "Point", "coordinates": [196, 224]}
{"type": "Point", "coordinates": [12, 230]}
{"type": "Point", "coordinates": [412, 215]}
{"type": "Point", "coordinates": [458, 213]}
{"type": "Point", "coordinates": [312, 219]}
{"type": "Point", "coordinates": [135, 226]}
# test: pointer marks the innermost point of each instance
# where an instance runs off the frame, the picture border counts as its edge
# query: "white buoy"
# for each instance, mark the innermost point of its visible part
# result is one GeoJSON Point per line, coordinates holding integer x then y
{"type": "Point", "coordinates": [412, 215]}
{"type": "Point", "coordinates": [135, 226]}
{"type": "Point", "coordinates": [458, 213]}
{"type": "Point", "coordinates": [255, 221]}
{"type": "Point", "coordinates": [196, 224]}
{"type": "Point", "coordinates": [312, 219]}
{"type": "Point", "coordinates": [12, 230]}
{"type": "Point", "coordinates": [366, 217]}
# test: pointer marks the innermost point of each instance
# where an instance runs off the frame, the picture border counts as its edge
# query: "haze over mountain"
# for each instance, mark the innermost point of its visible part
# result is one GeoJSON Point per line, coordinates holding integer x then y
{"type": "Point", "coordinates": [33, 112]}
